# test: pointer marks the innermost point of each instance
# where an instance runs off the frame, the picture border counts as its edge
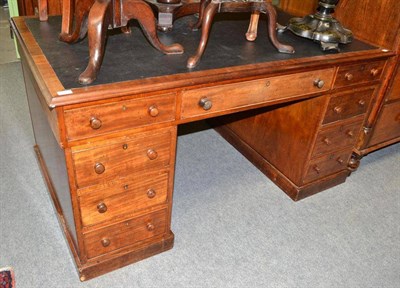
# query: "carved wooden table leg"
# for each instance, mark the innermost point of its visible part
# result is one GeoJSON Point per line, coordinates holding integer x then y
{"type": "Point", "coordinates": [79, 13]}
{"type": "Point", "coordinates": [256, 7]}
{"type": "Point", "coordinates": [43, 16]}
{"type": "Point", "coordinates": [141, 11]}
{"type": "Point", "coordinates": [101, 16]}
{"type": "Point", "coordinates": [99, 19]}
{"type": "Point", "coordinates": [271, 13]}
{"type": "Point", "coordinates": [203, 5]}
{"type": "Point", "coordinates": [209, 12]}
{"type": "Point", "coordinates": [251, 34]}
{"type": "Point", "coordinates": [67, 16]}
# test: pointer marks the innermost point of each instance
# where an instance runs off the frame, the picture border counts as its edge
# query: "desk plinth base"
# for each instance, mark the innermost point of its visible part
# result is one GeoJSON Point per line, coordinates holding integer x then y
{"type": "Point", "coordinates": [295, 192]}
{"type": "Point", "coordinates": [101, 265]}
{"type": "Point", "coordinates": [93, 269]}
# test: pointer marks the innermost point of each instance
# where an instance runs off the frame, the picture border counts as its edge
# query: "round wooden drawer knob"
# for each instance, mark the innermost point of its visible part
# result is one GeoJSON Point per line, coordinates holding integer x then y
{"type": "Point", "coordinates": [350, 133]}
{"type": "Point", "coordinates": [105, 242]}
{"type": "Point", "coordinates": [95, 123]}
{"type": "Point", "coordinates": [374, 72]}
{"type": "Point", "coordinates": [151, 193]}
{"type": "Point", "coordinates": [361, 102]}
{"type": "Point", "coordinates": [349, 76]}
{"type": "Point", "coordinates": [153, 111]}
{"type": "Point", "coordinates": [150, 227]}
{"type": "Point", "coordinates": [317, 169]}
{"type": "Point", "coordinates": [205, 103]}
{"type": "Point", "coordinates": [152, 154]}
{"type": "Point", "coordinates": [338, 109]}
{"type": "Point", "coordinates": [102, 207]}
{"type": "Point", "coordinates": [340, 161]}
{"type": "Point", "coordinates": [319, 83]}
{"type": "Point", "coordinates": [99, 168]}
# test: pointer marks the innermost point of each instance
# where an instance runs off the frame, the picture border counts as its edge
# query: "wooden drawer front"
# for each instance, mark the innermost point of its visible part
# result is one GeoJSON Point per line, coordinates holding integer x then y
{"type": "Point", "coordinates": [121, 159]}
{"type": "Point", "coordinates": [388, 125]}
{"type": "Point", "coordinates": [101, 119]}
{"type": "Point", "coordinates": [122, 198]}
{"type": "Point", "coordinates": [233, 96]}
{"type": "Point", "coordinates": [326, 165]}
{"type": "Point", "coordinates": [359, 73]}
{"type": "Point", "coordinates": [125, 233]}
{"type": "Point", "coordinates": [337, 137]}
{"type": "Point", "coordinates": [346, 105]}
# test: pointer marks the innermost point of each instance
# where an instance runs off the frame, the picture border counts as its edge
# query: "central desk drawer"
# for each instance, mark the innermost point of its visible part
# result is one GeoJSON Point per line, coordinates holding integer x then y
{"type": "Point", "coordinates": [105, 118]}
{"type": "Point", "coordinates": [120, 158]}
{"type": "Point", "coordinates": [217, 99]}
{"type": "Point", "coordinates": [122, 197]}
{"type": "Point", "coordinates": [126, 233]}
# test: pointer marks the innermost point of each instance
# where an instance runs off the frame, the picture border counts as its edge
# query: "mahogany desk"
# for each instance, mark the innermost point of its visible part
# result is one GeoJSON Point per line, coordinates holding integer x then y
{"type": "Point", "coordinates": [107, 151]}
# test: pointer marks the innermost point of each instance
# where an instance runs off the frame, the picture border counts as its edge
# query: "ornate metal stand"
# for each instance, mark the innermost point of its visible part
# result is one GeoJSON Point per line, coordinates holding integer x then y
{"type": "Point", "coordinates": [321, 27]}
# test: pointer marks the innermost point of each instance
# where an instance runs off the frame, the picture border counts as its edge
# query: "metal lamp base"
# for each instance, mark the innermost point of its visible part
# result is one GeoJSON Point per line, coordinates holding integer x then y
{"type": "Point", "coordinates": [322, 27]}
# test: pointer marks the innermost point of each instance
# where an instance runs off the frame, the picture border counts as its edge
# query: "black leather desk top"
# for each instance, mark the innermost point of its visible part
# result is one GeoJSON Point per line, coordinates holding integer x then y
{"type": "Point", "coordinates": [129, 57]}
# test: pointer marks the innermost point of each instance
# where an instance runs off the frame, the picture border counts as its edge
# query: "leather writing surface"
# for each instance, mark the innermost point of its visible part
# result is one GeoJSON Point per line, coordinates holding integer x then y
{"type": "Point", "coordinates": [131, 56]}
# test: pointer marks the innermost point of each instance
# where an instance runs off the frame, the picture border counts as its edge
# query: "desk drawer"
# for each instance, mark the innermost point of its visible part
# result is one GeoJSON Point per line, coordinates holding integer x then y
{"type": "Point", "coordinates": [122, 197]}
{"type": "Point", "coordinates": [359, 73]}
{"type": "Point", "coordinates": [348, 104]}
{"type": "Point", "coordinates": [125, 233]}
{"type": "Point", "coordinates": [388, 125]}
{"type": "Point", "coordinates": [337, 136]}
{"type": "Point", "coordinates": [326, 165]}
{"type": "Point", "coordinates": [121, 157]}
{"type": "Point", "coordinates": [214, 100]}
{"type": "Point", "coordinates": [100, 119]}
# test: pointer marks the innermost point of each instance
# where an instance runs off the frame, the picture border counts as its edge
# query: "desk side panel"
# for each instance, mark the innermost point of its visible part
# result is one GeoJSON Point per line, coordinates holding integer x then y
{"type": "Point", "coordinates": [51, 154]}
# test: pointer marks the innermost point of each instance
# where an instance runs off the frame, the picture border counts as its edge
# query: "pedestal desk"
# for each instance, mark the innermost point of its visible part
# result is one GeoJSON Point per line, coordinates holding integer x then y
{"type": "Point", "coordinates": [107, 151]}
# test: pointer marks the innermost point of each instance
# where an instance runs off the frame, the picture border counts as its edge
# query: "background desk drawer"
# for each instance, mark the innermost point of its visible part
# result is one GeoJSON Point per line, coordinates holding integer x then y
{"type": "Point", "coordinates": [388, 125]}
{"type": "Point", "coordinates": [125, 233]}
{"type": "Point", "coordinates": [348, 104]}
{"type": "Point", "coordinates": [359, 73]}
{"type": "Point", "coordinates": [217, 99]}
{"type": "Point", "coordinates": [122, 198]}
{"type": "Point", "coordinates": [100, 119]}
{"type": "Point", "coordinates": [121, 158]}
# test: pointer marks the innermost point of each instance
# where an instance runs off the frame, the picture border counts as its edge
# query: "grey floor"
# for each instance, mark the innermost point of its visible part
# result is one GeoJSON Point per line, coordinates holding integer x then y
{"type": "Point", "coordinates": [233, 227]}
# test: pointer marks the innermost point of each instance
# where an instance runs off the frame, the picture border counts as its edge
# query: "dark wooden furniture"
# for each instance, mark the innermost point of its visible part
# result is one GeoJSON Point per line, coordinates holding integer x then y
{"type": "Point", "coordinates": [107, 151]}
{"type": "Point", "coordinates": [382, 127]}
{"type": "Point", "coordinates": [32, 7]}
